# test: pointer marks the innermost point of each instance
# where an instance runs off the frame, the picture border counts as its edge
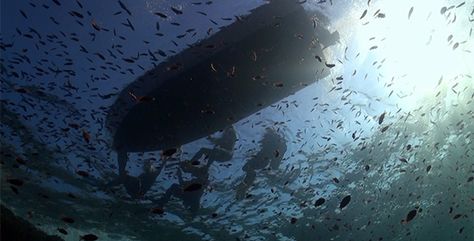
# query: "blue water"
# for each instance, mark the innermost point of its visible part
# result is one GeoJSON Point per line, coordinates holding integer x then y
{"type": "Point", "coordinates": [380, 148]}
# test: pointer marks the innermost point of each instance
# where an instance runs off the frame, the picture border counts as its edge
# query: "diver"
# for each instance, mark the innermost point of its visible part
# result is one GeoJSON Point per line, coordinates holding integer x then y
{"type": "Point", "coordinates": [191, 191]}
{"type": "Point", "coordinates": [273, 148]}
{"type": "Point", "coordinates": [136, 187]}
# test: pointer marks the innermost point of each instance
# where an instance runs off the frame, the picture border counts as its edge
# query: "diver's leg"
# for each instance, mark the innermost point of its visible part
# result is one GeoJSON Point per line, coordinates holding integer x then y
{"type": "Point", "coordinates": [245, 184]}
{"type": "Point", "coordinates": [202, 151]}
{"type": "Point", "coordinates": [194, 202]}
{"type": "Point", "coordinates": [173, 190]}
{"type": "Point", "coordinates": [132, 185]}
{"type": "Point", "coordinates": [122, 162]}
{"type": "Point", "coordinates": [220, 156]}
{"type": "Point", "coordinates": [147, 180]}
{"type": "Point", "coordinates": [122, 159]}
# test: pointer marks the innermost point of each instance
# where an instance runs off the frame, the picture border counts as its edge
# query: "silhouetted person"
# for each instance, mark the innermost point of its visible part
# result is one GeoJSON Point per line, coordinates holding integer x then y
{"type": "Point", "coordinates": [136, 186]}
{"type": "Point", "coordinates": [273, 148]}
{"type": "Point", "coordinates": [191, 191]}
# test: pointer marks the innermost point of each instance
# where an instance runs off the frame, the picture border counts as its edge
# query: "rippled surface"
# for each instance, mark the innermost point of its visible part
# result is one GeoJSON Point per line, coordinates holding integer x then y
{"type": "Point", "coordinates": [380, 148]}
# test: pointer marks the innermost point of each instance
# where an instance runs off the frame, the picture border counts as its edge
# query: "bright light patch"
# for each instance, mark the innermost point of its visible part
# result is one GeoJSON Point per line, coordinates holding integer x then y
{"type": "Point", "coordinates": [417, 43]}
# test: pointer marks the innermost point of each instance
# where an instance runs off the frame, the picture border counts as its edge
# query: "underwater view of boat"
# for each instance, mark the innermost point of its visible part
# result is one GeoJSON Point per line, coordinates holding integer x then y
{"type": "Point", "coordinates": [285, 120]}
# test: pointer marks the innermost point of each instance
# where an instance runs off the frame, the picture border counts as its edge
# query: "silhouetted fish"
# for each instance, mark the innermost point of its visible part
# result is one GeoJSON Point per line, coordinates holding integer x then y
{"type": "Point", "coordinates": [345, 201]}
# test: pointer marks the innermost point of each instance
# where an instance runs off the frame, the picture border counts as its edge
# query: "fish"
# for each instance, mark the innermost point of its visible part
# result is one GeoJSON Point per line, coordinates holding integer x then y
{"type": "Point", "coordinates": [177, 11]}
{"type": "Point", "coordinates": [363, 14]}
{"type": "Point", "coordinates": [82, 173]}
{"type": "Point", "coordinates": [95, 25]}
{"type": "Point", "coordinates": [385, 128]}
{"type": "Point", "coordinates": [157, 210]}
{"type": "Point", "coordinates": [15, 181]}
{"type": "Point", "coordinates": [293, 220]}
{"type": "Point", "coordinates": [62, 231]}
{"type": "Point", "coordinates": [319, 202]}
{"type": "Point", "coordinates": [67, 219]}
{"type": "Point", "coordinates": [329, 65]}
{"type": "Point", "coordinates": [381, 118]}
{"type": "Point", "coordinates": [122, 5]}
{"type": "Point", "coordinates": [410, 12]}
{"type": "Point", "coordinates": [86, 136]}
{"type": "Point", "coordinates": [89, 237]}
{"type": "Point", "coordinates": [410, 216]}
{"type": "Point", "coordinates": [23, 14]}
{"type": "Point", "coordinates": [193, 187]}
{"type": "Point", "coordinates": [345, 201]}
{"type": "Point", "coordinates": [162, 15]}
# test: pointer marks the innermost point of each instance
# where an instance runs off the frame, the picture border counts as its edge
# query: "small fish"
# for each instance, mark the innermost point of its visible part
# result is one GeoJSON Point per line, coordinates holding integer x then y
{"type": "Point", "coordinates": [95, 25]}
{"type": "Point", "coordinates": [125, 8]}
{"type": "Point", "coordinates": [381, 117]}
{"type": "Point", "coordinates": [67, 219]}
{"type": "Point", "coordinates": [428, 168]}
{"type": "Point", "coordinates": [329, 65]}
{"type": "Point", "coordinates": [319, 202]}
{"type": "Point", "coordinates": [410, 216]}
{"type": "Point", "coordinates": [15, 181]}
{"type": "Point", "coordinates": [318, 58]}
{"type": "Point", "coordinates": [293, 220]}
{"type": "Point", "coordinates": [23, 14]}
{"type": "Point", "coordinates": [141, 99]}
{"type": "Point", "coordinates": [162, 15]}
{"type": "Point", "coordinates": [443, 10]}
{"type": "Point", "coordinates": [82, 173]}
{"type": "Point", "coordinates": [86, 136]}
{"type": "Point", "coordinates": [455, 46]}
{"type": "Point", "coordinates": [62, 230]}
{"type": "Point", "coordinates": [410, 12]}
{"type": "Point", "coordinates": [89, 237]}
{"type": "Point", "coordinates": [193, 187]}
{"type": "Point", "coordinates": [403, 159]}
{"type": "Point", "coordinates": [385, 128]}
{"type": "Point", "coordinates": [277, 153]}
{"type": "Point", "coordinates": [363, 14]}
{"type": "Point", "coordinates": [213, 68]}
{"type": "Point", "coordinates": [76, 14]}
{"type": "Point", "coordinates": [345, 201]}
{"type": "Point", "coordinates": [157, 210]}
{"type": "Point", "coordinates": [177, 11]}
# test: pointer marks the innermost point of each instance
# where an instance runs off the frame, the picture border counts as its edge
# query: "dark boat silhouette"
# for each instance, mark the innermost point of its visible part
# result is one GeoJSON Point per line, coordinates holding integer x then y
{"type": "Point", "coordinates": [254, 62]}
